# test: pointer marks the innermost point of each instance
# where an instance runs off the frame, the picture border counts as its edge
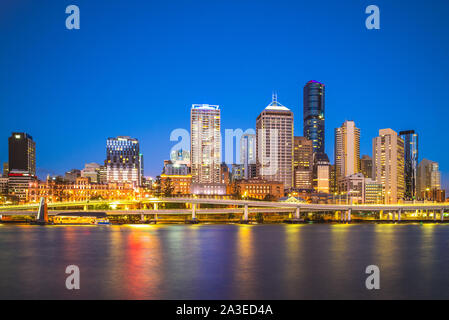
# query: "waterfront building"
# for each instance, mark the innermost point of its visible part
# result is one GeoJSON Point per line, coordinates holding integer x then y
{"type": "Point", "coordinates": [373, 192]}
{"type": "Point", "coordinates": [257, 189]}
{"type": "Point", "coordinates": [388, 164]}
{"type": "Point", "coordinates": [410, 138]}
{"type": "Point", "coordinates": [5, 170]}
{"type": "Point", "coordinates": [176, 168]}
{"type": "Point", "coordinates": [21, 165]}
{"type": "Point", "coordinates": [321, 173]}
{"type": "Point", "coordinates": [313, 103]}
{"type": "Point", "coordinates": [103, 174]}
{"type": "Point", "coordinates": [274, 143]}
{"type": "Point", "coordinates": [123, 161]}
{"type": "Point", "coordinates": [92, 172]}
{"type": "Point", "coordinates": [347, 150]}
{"type": "Point", "coordinates": [366, 166]}
{"type": "Point", "coordinates": [237, 172]}
{"type": "Point", "coordinates": [225, 174]}
{"type": "Point", "coordinates": [22, 153]}
{"type": "Point", "coordinates": [429, 178]}
{"type": "Point", "coordinates": [333, 186]}
{"type": "Point", "coordinates": [72, 175]}
{"type": "Point", "coordinates": [205, 143]}
{"type": "Point", "coordinates": [437, 195]}
{"type": "Point", "coordinates": [302, 162]}
{"type": "Point", "coordinates": [248, 154]}
{"type": "Point", "coordinates": [180, 184]}
{"type": "Point", "coordinates": [3, 186]}
{"type": "Point", "coordinates": [353, 186]}
{"type": "Point", "coordinates": [81, 190]}
{"type": "Point", "coordinates": [208, 188]}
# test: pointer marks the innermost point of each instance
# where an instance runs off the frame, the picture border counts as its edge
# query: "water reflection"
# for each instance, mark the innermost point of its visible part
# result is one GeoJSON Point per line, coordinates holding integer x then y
{"type": "Point", "coordinates": [225, 261]}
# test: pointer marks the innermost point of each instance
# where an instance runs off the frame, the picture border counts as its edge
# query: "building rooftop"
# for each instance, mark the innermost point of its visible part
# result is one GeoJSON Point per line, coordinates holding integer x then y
{"type": "Point", "coordinates": [275, 105]}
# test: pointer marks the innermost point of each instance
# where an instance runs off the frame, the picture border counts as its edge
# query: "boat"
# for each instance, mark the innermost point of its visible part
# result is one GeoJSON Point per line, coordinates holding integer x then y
{"type": "Point", "coordinates": [81, 218]}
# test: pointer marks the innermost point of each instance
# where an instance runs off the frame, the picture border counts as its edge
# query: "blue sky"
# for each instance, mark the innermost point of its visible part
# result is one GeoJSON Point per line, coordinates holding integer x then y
{"type": "Point", "coordinates": [135, 68]}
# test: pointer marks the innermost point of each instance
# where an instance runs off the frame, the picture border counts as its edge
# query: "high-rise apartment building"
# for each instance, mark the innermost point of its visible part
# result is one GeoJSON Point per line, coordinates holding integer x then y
{"type": "Point", "coordinates": [274, 143]}
{"type": "Point", "coordinates": [205, 143]}
{"type": "Point", "coordinates": [410, 138]}
{"type": "Point", "coordinates": [388, 164]}
{"type": "Point", "coordinates": [429, 177]}
{"type": "Point", "coordinates": [347, 150]}
{"type": "Point", "coordinates": [313, 103]}
{"type": "Point", "coordinates": [302, 162]}
{"type": "Point", "coordinates": [248, 154]}
{"type": "Point", "coordinates": [366, 166]}
{"type": "Point", "coordinates": [124, 162]}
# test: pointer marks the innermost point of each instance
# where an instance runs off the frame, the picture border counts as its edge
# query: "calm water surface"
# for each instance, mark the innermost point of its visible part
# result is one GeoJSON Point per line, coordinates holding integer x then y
{"type": "Point", "coordinates": [224, 261]}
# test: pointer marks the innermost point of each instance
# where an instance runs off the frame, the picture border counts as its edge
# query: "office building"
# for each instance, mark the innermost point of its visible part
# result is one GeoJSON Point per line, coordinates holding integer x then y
{"type": "Point", "coordinates": [388, 164]}
{"type": "Point", "coordinates": [123, 161]}
{"type": "Point", "coordinates": [373, 192]}
{"type": "Point", "coordinates": [313, 103]}
{"type": "Point", "coordinates": [22, 153]}
{"type": "Point", "coordinates": [429, 178]}
{"type": "Point", "coordinates": [274, 143]}
{"type": "Point", "coordinates": [366, 166]}
{"type": "Point", "coordinates": [347, 150]}
{"type": "Point", "coordinates": [205, 143]}
{"type": "Point", "coordinates": [302, 162]}
{"type": "Point", "coordinates": [92, 172]}
{"type": "Point", "coordinates": [248, 154]}
{"type": "Point", "coordinates": [5, 170]}
{"type": "Point", "coordinates": [410, 138]}
{"type": "Point", "coordinates": [321, 173]}
{"type": "Point", "coordinates": [175, 168]}
{"type": "Point", "coordinates": [353, 187]}
{"type": "Point", "coordinates": [21, 165]}
{"type": "Point", "coordinates": [72, 175]}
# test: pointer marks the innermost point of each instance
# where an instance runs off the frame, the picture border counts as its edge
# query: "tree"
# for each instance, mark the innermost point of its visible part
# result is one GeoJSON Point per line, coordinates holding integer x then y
{"type": "Point", "coordinates": [269, 197]}
{"type": "Point", "coordinates": [236, 191]}
{"type": "Point", "coordinates": [168, 188]}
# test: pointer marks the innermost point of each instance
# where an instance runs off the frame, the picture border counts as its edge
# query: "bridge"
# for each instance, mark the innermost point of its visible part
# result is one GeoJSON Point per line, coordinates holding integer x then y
{"type": "Point", "coordinates": [343, 212]}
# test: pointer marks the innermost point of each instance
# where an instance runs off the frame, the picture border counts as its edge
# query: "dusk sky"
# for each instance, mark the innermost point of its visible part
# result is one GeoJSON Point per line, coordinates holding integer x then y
{"type": "Point", "coordinates": [136, 67]}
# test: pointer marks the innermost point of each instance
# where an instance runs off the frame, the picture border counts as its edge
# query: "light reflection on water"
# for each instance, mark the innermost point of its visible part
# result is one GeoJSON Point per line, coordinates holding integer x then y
{"type": "Point", "coordinates": [225, 261]}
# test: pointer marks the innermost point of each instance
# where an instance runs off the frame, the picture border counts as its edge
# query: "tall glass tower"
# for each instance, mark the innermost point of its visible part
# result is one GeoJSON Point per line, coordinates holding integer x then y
{"type": "Point", "coordinates": [314, 114]}
{"type": "Point", "coordinates": [410, 162]}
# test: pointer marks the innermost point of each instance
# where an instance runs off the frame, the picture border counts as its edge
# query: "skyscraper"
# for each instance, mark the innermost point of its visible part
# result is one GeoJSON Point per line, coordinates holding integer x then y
{"type": "Point", "coordinates": [411, 162]}
{"type": "Point", "coordinates": [123, 160]}
{"type": "Point", "coordinates": [347, 150]}
{"type": "Point", "coordinates": [248, 154]}
{"type": "Point", "coordinates": [302, 162]}
{"type": "Point", "coordinates": [429, 177]}
{"type": "Point", "coordinates": [274, 143]}
{"type": "Point", "coordinates": [388, 164]}
{"type": "Point", "coordinates": [205, 143]}
{"type": "Point", "coordinates": [366, 166]}
{"type": "Point", "coordinates": [22, 165]}
{"type": "Point", "coordinates": [22, 153]}
{"type": "Point", "coordinates": [313, 126]}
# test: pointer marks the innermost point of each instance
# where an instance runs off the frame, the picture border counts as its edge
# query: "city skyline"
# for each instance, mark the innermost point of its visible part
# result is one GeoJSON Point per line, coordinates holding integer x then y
{"type": "Point", "coordinates": [50, 83]}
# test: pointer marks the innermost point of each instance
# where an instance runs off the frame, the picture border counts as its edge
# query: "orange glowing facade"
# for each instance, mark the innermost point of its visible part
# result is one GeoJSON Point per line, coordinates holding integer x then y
{"type": "Point", "coordinates": [180, 183]}
{"type": "Point", "coordinates": [81, 190]}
